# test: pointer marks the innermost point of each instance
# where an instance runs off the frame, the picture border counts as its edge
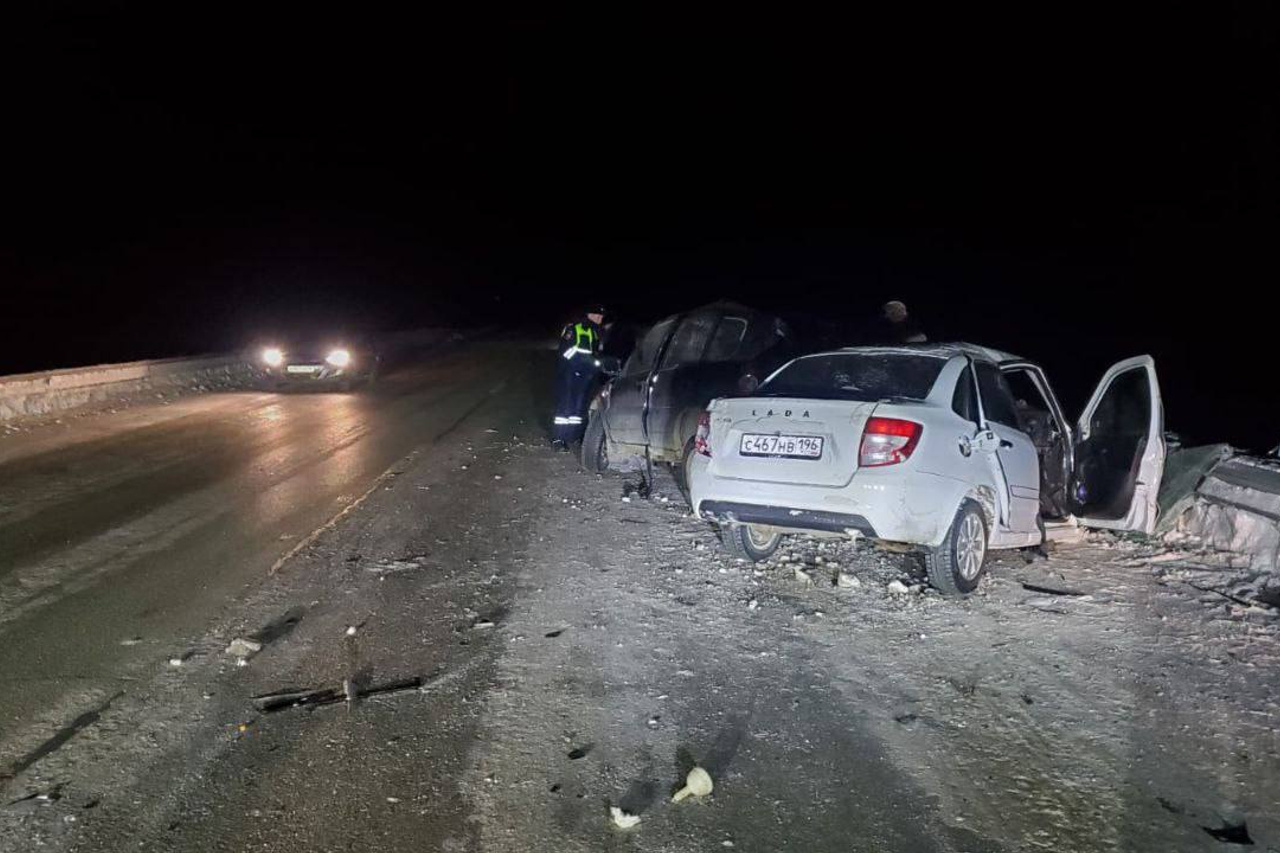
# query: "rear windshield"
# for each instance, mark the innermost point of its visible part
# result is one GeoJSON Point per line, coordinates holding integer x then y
{"type": "Point", "coordinates": [864, 377]}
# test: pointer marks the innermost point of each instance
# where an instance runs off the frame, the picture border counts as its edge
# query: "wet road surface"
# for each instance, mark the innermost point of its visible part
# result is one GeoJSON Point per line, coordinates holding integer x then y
{"type": "Point", "coordinates": [124, 534]}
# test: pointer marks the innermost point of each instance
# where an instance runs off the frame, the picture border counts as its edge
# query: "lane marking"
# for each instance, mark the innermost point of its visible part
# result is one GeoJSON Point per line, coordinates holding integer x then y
{"type": "Point", "coordinates": [396, 468]}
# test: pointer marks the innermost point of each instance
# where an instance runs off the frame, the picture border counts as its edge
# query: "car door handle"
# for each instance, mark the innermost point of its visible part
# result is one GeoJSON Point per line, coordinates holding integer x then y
{"type": "Point", "coordinates": [1006, 444]}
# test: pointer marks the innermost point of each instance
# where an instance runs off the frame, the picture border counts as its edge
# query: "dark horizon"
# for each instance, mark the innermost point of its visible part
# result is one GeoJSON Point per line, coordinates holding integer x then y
{"type": "Point", "coordinates": [1075, 190]}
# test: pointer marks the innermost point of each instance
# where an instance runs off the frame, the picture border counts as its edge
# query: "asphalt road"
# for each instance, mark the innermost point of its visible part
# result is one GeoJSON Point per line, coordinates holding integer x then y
{"type": "Point", "coordinates": [575, 648]}
{"type": "Point", "coordinates": [127, 533]}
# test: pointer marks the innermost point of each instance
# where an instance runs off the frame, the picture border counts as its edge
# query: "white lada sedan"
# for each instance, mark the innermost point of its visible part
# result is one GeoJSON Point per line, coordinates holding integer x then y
{"type": "Point", "coordinates": [953, 448]}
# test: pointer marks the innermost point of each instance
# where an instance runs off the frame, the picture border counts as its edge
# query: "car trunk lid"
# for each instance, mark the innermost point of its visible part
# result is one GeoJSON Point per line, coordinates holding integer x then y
{"type": "Point", "coordinates": [838, 423]}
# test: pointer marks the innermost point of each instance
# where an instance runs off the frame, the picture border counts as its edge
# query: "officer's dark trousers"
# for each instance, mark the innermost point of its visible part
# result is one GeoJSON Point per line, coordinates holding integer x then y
{"type": "Point", "coordinates": [573, 382]}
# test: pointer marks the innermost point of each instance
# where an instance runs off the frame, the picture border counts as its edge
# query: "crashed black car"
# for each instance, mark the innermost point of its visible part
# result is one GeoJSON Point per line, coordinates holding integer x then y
{"type": "Point", "coordinates": [329, 361]}
{"type": "Point", "coordinates": [650, 409]}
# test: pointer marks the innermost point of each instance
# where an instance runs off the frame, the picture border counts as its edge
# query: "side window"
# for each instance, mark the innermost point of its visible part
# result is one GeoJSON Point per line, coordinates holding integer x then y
{"type": "Point", "coordinates": [963, 402]}
{"type": "Point", "coordinates": [1125, 408]}
{"type": "Point", "coordinates": [646, 351]}
{"type": "Point", "coordinates": [1026, 393]}
{"type": "Point", "coordinates": [997, 399]}
{"type": "Point", "coordinates": [724, 343]}
{"type": "Point", "coordinates": [690, 340]}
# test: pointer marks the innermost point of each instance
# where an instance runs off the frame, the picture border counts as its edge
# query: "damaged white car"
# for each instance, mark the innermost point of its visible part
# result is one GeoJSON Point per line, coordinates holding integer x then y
{"type": "Point", "coordinates": [955, 449]}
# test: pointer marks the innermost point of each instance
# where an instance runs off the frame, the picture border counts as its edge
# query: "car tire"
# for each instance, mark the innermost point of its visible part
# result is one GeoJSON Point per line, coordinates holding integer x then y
{"type": "Point", "coordinates": [955, 567]}
{"type": "Point", "coordinates": [681, 469]}
{"type": "Point", "coordinates": [747, 542]}
{"type": "Point", "coordinates": [595, 446]}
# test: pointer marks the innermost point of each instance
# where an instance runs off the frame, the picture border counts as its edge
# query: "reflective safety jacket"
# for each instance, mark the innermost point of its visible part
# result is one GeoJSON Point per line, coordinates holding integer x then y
{"type": "Point", "coordinates": [580, 340]}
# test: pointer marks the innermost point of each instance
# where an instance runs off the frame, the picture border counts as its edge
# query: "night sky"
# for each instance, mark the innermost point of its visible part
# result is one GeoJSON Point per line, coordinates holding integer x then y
{"type": "Point", "coordinates": [1077, 186]}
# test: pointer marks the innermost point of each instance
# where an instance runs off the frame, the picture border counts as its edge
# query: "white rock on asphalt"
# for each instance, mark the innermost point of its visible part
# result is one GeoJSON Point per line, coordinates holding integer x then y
{"type": "Point", "coordinates": [896, 587]}
{"type": "Point", "coordinates": [848, 581]}
{"type": "Point", "coordinates": [803, 576]}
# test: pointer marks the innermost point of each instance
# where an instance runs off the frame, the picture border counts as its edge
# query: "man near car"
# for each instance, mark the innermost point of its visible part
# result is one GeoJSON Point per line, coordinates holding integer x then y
{"type": "Point", "coordinates": [897, 327]}
{"type": "Point", "coordinates": [576, 371]}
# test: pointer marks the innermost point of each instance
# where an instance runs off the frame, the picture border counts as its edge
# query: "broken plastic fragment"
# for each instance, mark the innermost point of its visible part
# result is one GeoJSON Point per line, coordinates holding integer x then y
{"type": "Point", "coordinates": [242, 647]}
{"type": "Point", "coordinates": [696, 784]}
{"type": "Point", "coordinates": [622, 819]}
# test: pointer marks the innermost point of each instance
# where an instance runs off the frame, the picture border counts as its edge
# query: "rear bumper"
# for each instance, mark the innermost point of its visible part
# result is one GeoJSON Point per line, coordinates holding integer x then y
{"type": "Point", "coordinates": [910, 507]}
{"type": "Point", "coordinates": [780, 516]}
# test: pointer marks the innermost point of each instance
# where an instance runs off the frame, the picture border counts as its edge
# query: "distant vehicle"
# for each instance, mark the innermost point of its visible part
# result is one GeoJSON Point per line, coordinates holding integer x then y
{"type": "Point", "coordinates": [653, 403]}
{"type": "Point", "coordinates": [321, 361]}
{"type": "Point", "coordinates": [956, 449]}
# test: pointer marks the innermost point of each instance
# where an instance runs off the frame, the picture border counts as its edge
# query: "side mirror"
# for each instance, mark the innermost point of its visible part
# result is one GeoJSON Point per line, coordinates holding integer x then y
{"type": "Point", "coordinates": [610, 365]}
{"type": "Point", "coordinates": [747, 384]}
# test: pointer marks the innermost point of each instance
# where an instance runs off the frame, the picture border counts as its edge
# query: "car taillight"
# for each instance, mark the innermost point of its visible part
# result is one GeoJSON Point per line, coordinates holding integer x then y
{"type": "Point", "coordinates": [702, 438]}
{"type": "Point", "coordinates": [888, 441]}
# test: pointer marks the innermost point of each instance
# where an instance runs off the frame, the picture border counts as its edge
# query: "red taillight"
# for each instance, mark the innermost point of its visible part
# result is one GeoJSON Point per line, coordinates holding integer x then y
{"type": "Point", "coordinates": [702, 438]}
{"type": "Point", "coordinates": [888, 441]}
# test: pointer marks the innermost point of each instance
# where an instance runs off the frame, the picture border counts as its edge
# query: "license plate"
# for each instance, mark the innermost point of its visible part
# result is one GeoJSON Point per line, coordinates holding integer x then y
{"type": "Point", "coordinates": [787, 446]}
{"type": "Point", "coordinates": [302, 368]}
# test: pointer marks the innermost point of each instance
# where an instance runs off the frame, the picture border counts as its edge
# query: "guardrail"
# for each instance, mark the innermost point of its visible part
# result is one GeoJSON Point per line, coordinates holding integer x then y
{"type": "Point", "coordinates": [49, 392]}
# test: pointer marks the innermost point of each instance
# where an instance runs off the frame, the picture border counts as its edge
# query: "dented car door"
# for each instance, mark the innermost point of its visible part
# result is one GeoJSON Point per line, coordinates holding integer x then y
{"type": "Point", "coordinates": [1119, 450]}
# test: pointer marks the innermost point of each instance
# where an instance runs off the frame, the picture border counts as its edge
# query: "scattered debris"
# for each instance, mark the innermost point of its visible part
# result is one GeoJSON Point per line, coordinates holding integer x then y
{"type": "Point", "coordinates": [580, 752]}
{"type": "Point", "coordinates": [60, 737]}
{"type": "Point", "coordinates": [1048, 590]}
{"type": "Point", "coordinates": [622, 819]}
{"type": "Point", "coordinates": [348, 692]}
{"type": "Point", "coordinates": [244, 648]}
{"type": "Point", "coordinates": [1230, 833]}
{"type": "Point", "coordinates": [553, 634]}
{"type": "Point", "coordinates": [847, 581]}
{"type": "Point", "coordinates": [351, 630]}
{"type": "Point", "coordinates": [897, 587]}
{"type": "Point", "coordinates": [803, 576]}
{"type": "Point", "coordinates": [696, 784]}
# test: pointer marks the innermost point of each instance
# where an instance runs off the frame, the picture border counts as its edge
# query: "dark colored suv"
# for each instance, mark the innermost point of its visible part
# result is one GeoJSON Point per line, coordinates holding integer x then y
{"type": "Point", "coordinates": [680, 365]}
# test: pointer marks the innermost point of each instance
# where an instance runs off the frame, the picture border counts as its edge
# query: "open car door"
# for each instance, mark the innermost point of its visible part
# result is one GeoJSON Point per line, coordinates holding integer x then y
{"type": "Point", "coordinates": [1119, 452]}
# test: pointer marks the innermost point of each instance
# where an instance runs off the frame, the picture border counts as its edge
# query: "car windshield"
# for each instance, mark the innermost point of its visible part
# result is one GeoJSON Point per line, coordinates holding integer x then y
{"type": "Point", "coordinates": [865, 377]}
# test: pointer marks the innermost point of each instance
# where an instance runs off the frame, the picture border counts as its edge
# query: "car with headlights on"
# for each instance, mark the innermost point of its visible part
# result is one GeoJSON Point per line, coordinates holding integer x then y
{"type": "Point", "coordinates": [953, 450]}
{"type": "Point", "coordinates": [321, 362]}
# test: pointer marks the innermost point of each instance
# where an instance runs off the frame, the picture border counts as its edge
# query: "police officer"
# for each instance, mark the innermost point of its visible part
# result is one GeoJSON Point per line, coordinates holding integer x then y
{"type": "Point", "coordinates": [576, 370]}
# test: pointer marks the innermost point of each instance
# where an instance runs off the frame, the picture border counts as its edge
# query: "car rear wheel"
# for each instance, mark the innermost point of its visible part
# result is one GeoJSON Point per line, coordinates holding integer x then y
{"type": "Point", "coordinates": [681, 468]}
{"type": "Point", "coordinates": [750, 542]}
{"type": "Point", "coordinates": [955, 567]}
{"type": "Point", "coordinates": [595, 445]}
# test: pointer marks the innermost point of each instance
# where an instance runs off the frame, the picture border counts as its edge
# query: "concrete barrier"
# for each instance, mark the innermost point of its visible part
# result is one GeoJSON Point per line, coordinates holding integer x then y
{"type": "Point", "coordinates": [49, 392]}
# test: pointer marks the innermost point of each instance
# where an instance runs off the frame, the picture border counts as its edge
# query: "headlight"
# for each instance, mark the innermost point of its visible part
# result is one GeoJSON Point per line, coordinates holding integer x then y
{"type": "Point", "coordinates": [272, 356]}
{"type": "Point", "coordinates": [339, 358]}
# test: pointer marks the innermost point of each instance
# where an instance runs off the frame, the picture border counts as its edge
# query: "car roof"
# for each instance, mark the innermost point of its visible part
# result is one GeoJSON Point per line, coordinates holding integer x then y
{"type": "Point", "coordinates": [939, 350]}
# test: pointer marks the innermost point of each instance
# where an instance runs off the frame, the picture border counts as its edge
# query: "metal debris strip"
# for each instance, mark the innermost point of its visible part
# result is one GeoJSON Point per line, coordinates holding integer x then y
{"type": "Point", "coordinates": [60, 737]}
{"type": "Point", "coordinates": [1049, 590]}
{"type": "Point", "coordinates": [348, 691]}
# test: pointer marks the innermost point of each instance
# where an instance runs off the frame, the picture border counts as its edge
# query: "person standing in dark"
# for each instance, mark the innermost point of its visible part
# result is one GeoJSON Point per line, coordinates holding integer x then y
{"type": "Point", "coordinates": [897, 327]}
{"type": "Point", "coordinates": [576, 371]}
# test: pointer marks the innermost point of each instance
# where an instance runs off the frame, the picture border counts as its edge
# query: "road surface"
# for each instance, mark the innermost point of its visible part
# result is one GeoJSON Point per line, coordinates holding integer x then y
{"type": "Point", "coordinates": [570, 651]}
{"type": "Point", "coordinates": [150, 522]}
